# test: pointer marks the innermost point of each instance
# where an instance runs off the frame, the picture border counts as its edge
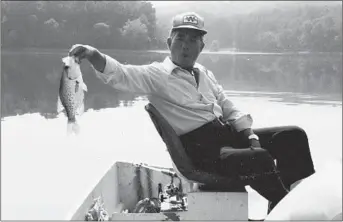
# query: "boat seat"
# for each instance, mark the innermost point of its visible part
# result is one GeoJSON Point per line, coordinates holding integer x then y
{"type": "Point", "coordinates": [206, 181]}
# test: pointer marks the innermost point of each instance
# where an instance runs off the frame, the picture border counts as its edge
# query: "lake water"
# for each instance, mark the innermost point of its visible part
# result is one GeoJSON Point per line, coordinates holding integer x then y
{"type": "Point", "coordinates": [30, 79]}
{"type": "Point", "coordinates": [44, 173]}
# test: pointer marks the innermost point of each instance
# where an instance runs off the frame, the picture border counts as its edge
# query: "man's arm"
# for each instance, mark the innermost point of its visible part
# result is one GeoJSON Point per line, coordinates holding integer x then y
{"type": "Point", "coordinates": [98, 60]}
{"type": "Point", "coordinates": [240, 121]}
{"type": "Point", "coordinates": [144, 79]}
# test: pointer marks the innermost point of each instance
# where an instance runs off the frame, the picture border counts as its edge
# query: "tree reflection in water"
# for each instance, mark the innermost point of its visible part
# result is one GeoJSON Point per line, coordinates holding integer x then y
{"type": "Point", "coordinates": [30, 80]}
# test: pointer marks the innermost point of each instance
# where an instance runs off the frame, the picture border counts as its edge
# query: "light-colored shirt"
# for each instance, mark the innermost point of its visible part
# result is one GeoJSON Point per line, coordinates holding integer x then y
{"type": "Point", "coordinates": [175, 93]}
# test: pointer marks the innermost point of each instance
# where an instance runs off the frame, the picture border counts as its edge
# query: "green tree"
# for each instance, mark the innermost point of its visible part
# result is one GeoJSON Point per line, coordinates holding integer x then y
{"type": "Point", "coordinates": [136, 34]}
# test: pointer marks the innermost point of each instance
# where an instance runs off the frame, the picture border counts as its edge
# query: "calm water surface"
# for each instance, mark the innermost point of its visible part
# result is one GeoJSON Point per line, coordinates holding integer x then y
{"type": "Point", "coordinates": [30, 78]}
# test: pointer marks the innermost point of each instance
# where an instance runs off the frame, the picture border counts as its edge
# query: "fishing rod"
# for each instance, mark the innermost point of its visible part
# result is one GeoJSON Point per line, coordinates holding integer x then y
{"type": "Point", "coordinates": [164, 171]}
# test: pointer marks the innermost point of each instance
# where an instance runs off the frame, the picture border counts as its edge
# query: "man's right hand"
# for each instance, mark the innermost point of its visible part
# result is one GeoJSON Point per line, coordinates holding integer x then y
{"type": "Point", "coordinates": [96, 58]}
{"type": "Point", "coordinates": [82, 51]}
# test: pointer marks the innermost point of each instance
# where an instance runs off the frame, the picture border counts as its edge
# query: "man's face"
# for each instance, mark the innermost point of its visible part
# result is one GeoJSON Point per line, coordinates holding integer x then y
{"type": "Point", "coordinates": [185, 46]}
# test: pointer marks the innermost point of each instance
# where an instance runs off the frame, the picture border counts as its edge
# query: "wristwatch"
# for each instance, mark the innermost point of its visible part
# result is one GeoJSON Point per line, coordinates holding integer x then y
{"type": "Point", "coordinates": [253, 136]}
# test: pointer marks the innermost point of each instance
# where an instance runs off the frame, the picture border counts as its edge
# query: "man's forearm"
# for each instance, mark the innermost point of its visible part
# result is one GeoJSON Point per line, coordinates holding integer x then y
{"type": "Point", "coordinates": [98, 60]}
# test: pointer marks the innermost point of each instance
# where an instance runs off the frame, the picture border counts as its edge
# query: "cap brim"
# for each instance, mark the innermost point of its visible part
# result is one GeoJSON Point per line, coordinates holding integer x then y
{"type": "Point", "coordinates": [190, 27]}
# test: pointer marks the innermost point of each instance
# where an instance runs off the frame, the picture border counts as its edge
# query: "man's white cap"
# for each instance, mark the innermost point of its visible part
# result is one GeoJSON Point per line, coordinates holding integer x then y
{"type": "Point", "coordinates": [189, 20]}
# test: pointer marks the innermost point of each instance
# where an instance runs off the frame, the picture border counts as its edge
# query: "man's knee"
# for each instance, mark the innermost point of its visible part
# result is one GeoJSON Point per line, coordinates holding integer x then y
{"type": "Point", "coordinates": [295, 131]}
{"type": "Point", "coordinates": [299, 130]}
{"type": "Point", "coordinates": [301, 135]}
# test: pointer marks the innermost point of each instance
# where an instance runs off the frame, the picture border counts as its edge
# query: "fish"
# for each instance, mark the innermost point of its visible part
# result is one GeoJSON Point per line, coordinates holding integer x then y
{"type": "Point", "coordinates": [71, 93]}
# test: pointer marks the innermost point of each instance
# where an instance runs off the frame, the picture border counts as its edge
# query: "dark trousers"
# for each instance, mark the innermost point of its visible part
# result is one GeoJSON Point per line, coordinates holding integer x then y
{"type": "Point", "coordinates": [218, 148]}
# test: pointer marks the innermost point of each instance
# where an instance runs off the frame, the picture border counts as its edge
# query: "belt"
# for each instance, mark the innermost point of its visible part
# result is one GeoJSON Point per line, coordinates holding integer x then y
{"type": "Point", "coordinates": [216, 123]}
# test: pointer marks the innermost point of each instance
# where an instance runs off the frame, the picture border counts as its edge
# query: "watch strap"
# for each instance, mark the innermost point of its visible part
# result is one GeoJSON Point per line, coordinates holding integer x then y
{"type": "Point", "coordinates": [253, 136]}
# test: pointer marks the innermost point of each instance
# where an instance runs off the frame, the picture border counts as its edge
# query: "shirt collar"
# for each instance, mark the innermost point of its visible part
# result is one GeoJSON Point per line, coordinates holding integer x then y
{"type": "Point", "coordinates": [170, 66]}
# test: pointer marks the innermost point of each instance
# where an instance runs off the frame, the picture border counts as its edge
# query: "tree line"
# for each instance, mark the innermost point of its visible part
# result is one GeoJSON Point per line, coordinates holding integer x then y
{"type": "Point", "coordinates": [299, 28]}
{"type": "Point", "coordinates": [134, 25]}
{"type": "Point", "coordinates": [291, 26]}
{"type": "Point", "coordinates": [58, 24]}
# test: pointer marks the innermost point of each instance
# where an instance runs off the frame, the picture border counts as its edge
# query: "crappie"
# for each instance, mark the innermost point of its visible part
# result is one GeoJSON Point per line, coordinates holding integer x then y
{"type": "Point", "coordinates": [71, 93]}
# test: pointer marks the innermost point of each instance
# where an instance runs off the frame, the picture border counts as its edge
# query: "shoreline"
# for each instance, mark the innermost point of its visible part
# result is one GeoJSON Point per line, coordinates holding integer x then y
{"type": "Point", "coordinates": [5, 51]}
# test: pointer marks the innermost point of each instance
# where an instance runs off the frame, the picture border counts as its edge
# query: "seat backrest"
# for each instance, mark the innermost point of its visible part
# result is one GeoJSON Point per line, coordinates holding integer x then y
{"type": "Point", "coordinates": [177, 152]}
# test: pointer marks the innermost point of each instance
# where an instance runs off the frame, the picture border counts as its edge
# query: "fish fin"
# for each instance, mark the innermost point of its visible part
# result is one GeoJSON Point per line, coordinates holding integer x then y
{"type": "Point", "coordinates": [82, 83]}
{"type": "Point", "coordinates": [60, 107]}
{"type": "Point", "coordinates": [84, 87]}
{"type": "Point", "coordinates": [81, 109]}
{"type": "Point", "coordinates": [73, 127]}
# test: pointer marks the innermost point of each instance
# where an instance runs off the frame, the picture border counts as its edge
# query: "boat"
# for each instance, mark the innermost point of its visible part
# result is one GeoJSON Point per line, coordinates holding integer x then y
{"type": "Point", "coordinates": [131, 191]}
{"type": "Point", "coordinates": [138, 191]}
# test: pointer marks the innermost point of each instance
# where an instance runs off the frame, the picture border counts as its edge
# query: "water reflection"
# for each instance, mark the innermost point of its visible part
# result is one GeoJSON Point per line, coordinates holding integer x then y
{"type": "Point", "coordinates": [30, 79]}
{"type": "Point", "coordinates": [312, 74]}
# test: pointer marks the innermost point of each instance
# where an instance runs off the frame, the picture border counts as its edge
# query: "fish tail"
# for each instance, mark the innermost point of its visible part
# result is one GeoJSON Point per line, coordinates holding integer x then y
{"type": "Point", "coordinates": [73, 127]}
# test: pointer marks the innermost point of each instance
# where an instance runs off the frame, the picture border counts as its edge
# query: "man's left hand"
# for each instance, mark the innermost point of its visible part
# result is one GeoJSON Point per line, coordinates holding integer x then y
{"type": "Point", "coordinates": [254, 143]}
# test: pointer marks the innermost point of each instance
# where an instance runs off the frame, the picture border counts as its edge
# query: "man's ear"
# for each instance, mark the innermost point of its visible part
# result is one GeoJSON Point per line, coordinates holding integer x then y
{"type": "Point", "coordinates": [169, 40]}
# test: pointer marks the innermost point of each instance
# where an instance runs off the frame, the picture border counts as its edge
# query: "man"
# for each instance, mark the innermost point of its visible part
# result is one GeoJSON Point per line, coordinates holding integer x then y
{"type": "Point", "coordinates": [216, 135]}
